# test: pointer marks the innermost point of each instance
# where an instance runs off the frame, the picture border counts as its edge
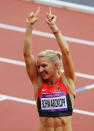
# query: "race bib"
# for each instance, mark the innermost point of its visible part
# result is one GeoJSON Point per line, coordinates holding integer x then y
{"type": "Point", "coordinates": [53, 102]}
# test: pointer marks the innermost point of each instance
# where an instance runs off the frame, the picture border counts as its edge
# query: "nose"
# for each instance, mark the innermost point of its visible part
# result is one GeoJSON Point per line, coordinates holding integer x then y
{"type": "Point", "coordinates": [40, 69]}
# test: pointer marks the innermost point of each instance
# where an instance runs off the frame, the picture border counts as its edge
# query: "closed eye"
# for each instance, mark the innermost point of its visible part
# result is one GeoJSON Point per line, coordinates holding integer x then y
{"type": "Point", "coordinates": [44, 65]}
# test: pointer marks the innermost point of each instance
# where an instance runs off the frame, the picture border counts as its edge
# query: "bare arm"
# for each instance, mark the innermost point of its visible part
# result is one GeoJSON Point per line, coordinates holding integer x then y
{"type": "Point", "coordinates": [66, 56]}
{"type": "Point", "coordinates": [29, 58]}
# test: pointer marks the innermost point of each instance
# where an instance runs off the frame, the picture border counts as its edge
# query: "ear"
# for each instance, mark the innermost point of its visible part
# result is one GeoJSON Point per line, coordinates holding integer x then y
{"type": "Point", "coordinates": [56, 65]}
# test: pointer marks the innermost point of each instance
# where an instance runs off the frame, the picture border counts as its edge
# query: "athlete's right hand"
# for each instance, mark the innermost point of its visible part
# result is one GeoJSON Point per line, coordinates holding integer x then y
{"type": "Point", "coordinates": [33, 17]}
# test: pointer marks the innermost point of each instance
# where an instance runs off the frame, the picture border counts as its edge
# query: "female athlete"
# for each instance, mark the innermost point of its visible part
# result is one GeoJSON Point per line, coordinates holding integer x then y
{"type": "Point", "coordinates": [54, 90]}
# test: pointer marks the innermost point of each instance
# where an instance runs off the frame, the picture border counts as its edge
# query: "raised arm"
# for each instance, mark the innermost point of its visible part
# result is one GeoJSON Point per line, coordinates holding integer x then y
{"type": "Point", "coordinates": [29, 58]}
{"type": "Point", "coordinates": [66, 56]}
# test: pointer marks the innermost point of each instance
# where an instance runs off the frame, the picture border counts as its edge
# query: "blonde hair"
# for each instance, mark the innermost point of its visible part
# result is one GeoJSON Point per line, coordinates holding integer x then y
{"type": "Point", "coordinates": [55, 56]}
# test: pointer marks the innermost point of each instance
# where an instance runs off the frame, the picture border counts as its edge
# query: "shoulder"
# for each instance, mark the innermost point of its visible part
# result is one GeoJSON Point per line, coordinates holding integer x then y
{"type": "Point", "coordinates": [69, 83]}
{"type": "Point", "coordinates": [36, 85]}
{"type": "Point", "coordinates": [67, 79]}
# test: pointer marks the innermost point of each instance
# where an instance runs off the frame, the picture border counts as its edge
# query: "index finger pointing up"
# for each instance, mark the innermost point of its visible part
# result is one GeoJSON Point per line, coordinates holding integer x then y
{"type": "Point", "coordinates": [49, 10]}
{"type": "Point", "coordinates": [38, 10]}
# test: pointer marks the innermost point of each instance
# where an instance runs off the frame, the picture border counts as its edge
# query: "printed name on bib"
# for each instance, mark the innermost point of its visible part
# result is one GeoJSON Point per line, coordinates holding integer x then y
{"type": "Point", "coordinates": [54, 102]}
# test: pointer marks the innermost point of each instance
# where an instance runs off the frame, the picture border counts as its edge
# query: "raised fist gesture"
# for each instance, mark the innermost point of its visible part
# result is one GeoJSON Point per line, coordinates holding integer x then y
{"type": "Point", "coordinates": [33, 17]}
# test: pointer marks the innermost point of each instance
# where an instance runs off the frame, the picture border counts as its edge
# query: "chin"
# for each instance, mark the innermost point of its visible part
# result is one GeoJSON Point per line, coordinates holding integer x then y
{"type": "Point", "coordinates": [45, 78]}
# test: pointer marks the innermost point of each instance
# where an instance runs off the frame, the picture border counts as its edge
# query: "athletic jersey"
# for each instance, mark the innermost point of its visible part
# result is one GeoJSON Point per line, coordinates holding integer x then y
{"type": "Point", "coordinates": [54, 100]}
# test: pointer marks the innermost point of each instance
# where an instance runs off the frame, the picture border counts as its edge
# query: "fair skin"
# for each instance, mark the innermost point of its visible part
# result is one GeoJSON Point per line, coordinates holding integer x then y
{"type": "Point", "coordinates": [45, 70]}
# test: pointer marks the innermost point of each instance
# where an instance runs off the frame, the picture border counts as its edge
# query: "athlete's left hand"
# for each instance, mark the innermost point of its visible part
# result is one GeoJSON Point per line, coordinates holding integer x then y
{"type": "Point", "coordinates": [50, 18]}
